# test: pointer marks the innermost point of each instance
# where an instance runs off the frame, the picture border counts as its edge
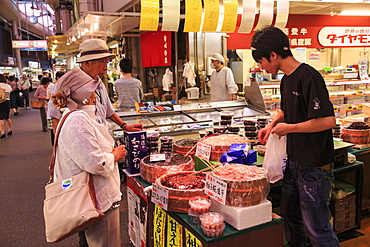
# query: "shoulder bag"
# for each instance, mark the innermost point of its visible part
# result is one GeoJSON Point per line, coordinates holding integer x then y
{"type": "Point", "coordinates": [37, 104]}
{"type": "Point", "coordinates": [70, 204]}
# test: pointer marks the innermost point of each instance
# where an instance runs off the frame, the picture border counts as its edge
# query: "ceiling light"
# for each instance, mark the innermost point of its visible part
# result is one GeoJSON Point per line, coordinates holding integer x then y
{"type": "Point", "coordinates": [86, 30]}
{"type": "Point", "coordinates": [73, 38]}
{"type": "Point", "coordinates": [68, 43]}
{"type": "Point", "coordinates": [355, 13]}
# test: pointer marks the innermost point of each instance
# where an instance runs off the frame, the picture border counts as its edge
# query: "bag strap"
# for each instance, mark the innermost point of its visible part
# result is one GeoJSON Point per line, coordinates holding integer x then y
{"type": "Point", "coordinates": [54, 152]}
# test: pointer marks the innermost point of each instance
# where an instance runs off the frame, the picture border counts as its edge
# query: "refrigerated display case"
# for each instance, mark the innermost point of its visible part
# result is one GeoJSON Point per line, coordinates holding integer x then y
{"type": "Point", "coordinates": [190, 118]}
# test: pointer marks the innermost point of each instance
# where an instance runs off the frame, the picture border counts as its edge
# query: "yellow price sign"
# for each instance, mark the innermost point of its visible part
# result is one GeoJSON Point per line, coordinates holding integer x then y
{"type": "Point", "coordinates": [191, 240]}
{"type": "Point", "coordinates": [149, 16]}
{"type": "Point", "coordinates": [159, 223]}
{"type": "Point", "coordinates": [174, 232]}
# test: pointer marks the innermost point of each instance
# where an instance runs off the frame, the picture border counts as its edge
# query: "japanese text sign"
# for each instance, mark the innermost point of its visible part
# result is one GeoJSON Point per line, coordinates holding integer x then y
{"type": "Point", "coordinates": [203, 151]}
{"type": "Point", "coordinates": [191, 240]}
{"type": "Point", "coordinates": [160, 196]}
{"type": "Point", "coordinates": [174, 232]}
{"type": "Point", "coordinates": [344, 36]}
{"type": "Point", "coordinates": [159, 223]}
{"type": "Point", "coordinates": [216, 189]}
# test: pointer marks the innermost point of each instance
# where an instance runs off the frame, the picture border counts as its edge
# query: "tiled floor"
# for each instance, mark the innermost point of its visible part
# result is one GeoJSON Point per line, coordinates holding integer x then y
{"type": "Point", "coordinates": [362, 241]}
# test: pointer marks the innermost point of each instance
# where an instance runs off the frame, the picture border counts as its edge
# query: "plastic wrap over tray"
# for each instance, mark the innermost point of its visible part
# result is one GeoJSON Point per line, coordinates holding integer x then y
{"type": "Point", "coordinates": [220, 144]}
{"type": "Point", "coordinates": [174, 162]}
{"type": "Point", "coordinates": [246, 185]}
{"type": "Point", "coordinates": [181, 189]}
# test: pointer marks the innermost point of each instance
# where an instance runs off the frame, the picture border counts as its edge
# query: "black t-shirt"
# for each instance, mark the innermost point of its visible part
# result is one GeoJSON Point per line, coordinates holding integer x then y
{"type": "Point", "coordinates": [304, 96]}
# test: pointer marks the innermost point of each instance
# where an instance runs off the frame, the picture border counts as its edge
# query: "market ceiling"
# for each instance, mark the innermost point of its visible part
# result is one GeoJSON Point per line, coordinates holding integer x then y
{"type": "Point", "coordinates": [103, 24]}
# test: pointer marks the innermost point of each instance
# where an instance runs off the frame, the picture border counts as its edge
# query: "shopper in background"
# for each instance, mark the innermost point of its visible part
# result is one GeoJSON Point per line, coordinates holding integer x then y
{"type": "Point", "coordinates": [5, 108]}
{"type": "Point", "coordinates": [86, 145]}
{"type": "Point", "coordinates": [223, 86]}
{"type": "Point", "coordinates": [25, 84]}
{"type": "Point", "coordinates": [128, 89]}
{"type": "Point", "coordinates": [40, 95]}
{"type": "Point", "coordinates": [15, 98]}
{"type": "Point", "coordinates": [307, 118]}
{"type": "Point", "coordinates": [53, 113]}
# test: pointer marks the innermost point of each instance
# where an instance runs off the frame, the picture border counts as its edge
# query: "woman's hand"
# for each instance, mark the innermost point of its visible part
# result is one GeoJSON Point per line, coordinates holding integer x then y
{"type": "Point", "coordinates": [119, 152]}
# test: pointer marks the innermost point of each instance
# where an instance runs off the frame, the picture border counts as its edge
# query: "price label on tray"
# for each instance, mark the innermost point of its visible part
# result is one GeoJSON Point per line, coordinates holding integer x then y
{"type": "Point", "coordinates": [157, 157]}
{"type": "Point", "coordinates": [203, 150]}
{"type": "Point", "coordinates": [160, 196]}
{"type": "Point", "coordinates": [216, 189]}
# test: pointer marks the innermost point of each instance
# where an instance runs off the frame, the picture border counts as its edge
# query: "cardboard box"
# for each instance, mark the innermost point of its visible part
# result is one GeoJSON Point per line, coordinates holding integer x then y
{"type": "Point", "coordinates": [157, 92]}
{"type": "Point", "coordinates": [136, 150]}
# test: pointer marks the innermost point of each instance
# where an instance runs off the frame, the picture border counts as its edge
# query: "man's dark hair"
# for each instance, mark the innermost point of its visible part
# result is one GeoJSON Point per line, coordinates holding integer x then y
{"type": "Point", "coordinates": [45, 80]}
{"type": "Point", "coordinates": [126, 65]}
{"type": "Point", "coordinates": [39, 77]}
{"type": "Point", "coordinates": [270, 39]}
{"type": "Point", "coordinates": [59, 74]}
{"type": "Point", "coordinates": [11, 78]}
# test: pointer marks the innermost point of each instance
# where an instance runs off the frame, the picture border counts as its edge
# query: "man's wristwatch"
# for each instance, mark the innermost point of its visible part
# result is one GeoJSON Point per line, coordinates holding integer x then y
{"type": "Point", "coordinates": [123, 125]}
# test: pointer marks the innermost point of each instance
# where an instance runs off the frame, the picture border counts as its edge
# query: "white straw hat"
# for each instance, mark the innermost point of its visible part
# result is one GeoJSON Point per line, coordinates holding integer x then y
{"type": "Point", "coordinates": [218, 57]}
{"type": "Point", "coordinates": [92, 49]}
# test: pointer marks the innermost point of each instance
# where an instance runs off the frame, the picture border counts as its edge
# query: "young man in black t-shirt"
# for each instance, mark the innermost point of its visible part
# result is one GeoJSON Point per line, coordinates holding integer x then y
{"type": "Point", "coordinates": [306, 117]}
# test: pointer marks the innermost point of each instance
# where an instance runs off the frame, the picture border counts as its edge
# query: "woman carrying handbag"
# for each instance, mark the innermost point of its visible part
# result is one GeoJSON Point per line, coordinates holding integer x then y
{"type": "Point", "coordinates": [84, 145]}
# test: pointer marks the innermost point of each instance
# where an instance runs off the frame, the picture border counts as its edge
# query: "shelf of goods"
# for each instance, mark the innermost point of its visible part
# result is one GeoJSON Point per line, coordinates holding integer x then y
{"type": "Point", "coordinates": [348, 93]}
{"type": "Point", "coordinates": [190, 118]}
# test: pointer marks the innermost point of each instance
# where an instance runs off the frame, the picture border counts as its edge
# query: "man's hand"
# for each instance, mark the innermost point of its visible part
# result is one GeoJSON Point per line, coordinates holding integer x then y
{"type": "Point", "coordinates": [133, 127]}
{"type": "Point", "coordinates": [263, 135]}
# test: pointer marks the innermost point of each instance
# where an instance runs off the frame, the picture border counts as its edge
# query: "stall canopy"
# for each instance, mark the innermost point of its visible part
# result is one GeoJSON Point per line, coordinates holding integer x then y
{"type": "Point", "coordinates": [93, 24]}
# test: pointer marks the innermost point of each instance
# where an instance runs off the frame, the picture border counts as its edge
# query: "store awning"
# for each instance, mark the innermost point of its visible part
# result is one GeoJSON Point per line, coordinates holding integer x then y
{"type": "Point", "coordinates": [93, 25]}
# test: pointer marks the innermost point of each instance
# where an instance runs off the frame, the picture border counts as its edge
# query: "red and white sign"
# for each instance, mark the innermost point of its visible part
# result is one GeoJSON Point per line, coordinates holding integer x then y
{"type": "Point", "coordinates": [29, 44]}
{"type": "Point", "coordinates": [344, 36]}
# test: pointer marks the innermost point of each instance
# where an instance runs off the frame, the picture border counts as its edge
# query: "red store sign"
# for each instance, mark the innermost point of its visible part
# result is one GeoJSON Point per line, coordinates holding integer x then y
{"type": "Point", "coordinates": [316, 31]}
{"type": "Point", "coordinates": [344, 36]}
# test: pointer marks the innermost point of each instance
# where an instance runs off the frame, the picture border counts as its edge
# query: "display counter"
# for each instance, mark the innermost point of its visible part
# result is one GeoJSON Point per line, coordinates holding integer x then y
{"type": "Point", "coordinates": [190, 118]}
{"type": "Point", "coordinates": [175, 228]}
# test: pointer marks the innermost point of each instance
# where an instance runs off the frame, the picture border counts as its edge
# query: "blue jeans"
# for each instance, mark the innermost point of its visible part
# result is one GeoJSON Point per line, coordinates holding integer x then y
{"type": "Point", "coordinates": [305, 201]}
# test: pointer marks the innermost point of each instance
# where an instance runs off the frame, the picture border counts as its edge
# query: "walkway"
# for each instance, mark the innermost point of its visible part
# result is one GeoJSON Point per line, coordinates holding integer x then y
{"type": "Point", "coordinates": [24, 161]}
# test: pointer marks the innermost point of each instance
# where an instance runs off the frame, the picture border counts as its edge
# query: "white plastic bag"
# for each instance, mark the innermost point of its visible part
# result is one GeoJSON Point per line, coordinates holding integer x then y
{"type": "Point", "coordinates": [275, 157]}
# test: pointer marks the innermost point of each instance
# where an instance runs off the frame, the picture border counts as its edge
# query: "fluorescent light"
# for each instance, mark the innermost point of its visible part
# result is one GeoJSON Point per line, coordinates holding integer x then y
{"type": "Point", "coordinates": [355, 13]}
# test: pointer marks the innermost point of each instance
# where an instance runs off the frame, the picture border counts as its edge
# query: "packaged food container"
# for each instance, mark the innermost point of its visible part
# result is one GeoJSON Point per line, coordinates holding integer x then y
{"type": "Point", "coordinates": [202, 133]}
{"type": "Point", "coordinates": [212, 221]}
{"type": "Point", "coordinates": [219, 129]}
{"type": "Point", "coordinates": [166, 139]}
{"type": "Point", "coordinates": [152, 144]}
{"type": "Point", "coordinates": [233, 128]}
{"type": "Point", "coordinates": [213, 232]}
{"type": "Point", "coordinates": [199, 206]}
{"type": "Point", "coordinates": [152, 135]}
{"type": "Point", "coordinates": [249, 122]}
{"type": "Point", "coordinates": [226, 115]}
{"type": "Point", "coordinates": [225, 122]}
{"type": "Point", "coordinates": [261, 150]}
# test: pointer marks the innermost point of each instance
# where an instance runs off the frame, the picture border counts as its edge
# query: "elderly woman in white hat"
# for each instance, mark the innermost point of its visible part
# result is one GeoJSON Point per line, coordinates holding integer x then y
{"type": "Point", "coordinates": [94, 57]}
{"type": "Point", "coordinates": [86, 145]}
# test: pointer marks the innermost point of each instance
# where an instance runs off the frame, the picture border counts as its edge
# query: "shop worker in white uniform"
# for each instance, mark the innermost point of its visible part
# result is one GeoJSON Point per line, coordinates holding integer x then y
{"type": "Point", "coordinates": [223, 86]}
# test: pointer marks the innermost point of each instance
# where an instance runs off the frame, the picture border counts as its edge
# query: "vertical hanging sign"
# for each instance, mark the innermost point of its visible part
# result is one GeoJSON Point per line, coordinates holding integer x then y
{"type": "Point", "coordinates": [193, 15]}
{"type": "Point", "coordinates": [149, 16]}
{"type": "Point", "coordinates": [230, 15]}
{"type": "Point", "coordinates": [266, 13]}
{"type": "Point", "coordinates": [282, 13]}
{"type": "Point", "coordinates": [159, 223]}
{"type": "Point", "coordinates": [211, 14]}
{"type": "Point", "coordinates": [171, 15]}
{"type": "Point", "coordinates": [191, 240]}
{"type": "Point", "coordinates": [174, 232]}
{"type": "Point", "coordinates": [248, 16]}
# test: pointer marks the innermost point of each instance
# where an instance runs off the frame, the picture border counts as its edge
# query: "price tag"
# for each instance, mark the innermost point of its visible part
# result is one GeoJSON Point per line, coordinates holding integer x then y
{"type": "Point", "coordinates": [160, 196]}
{"type": "Point", "coordinates": [203, 151]}
{"type": "Point", "coordinates": [177, 107]}
{"type": "Point", "coordinates": [216, 188]}
{"type": "Point", "coordinates": [157, 157]}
